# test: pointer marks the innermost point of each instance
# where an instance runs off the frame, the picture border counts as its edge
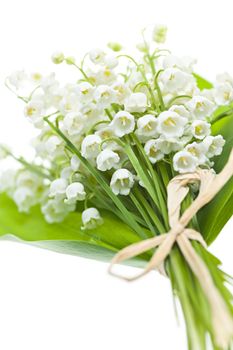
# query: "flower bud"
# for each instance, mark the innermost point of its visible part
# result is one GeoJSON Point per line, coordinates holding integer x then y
{"type": "Point", "coordinates": [57, 57]}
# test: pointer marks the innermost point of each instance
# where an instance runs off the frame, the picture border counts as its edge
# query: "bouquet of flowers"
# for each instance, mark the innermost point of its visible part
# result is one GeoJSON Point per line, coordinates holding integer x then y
{"type": "Point", "coordinates": [132, 163]}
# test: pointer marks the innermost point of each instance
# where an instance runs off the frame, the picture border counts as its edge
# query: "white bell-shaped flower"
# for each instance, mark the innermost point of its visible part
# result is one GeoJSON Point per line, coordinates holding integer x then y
{"type": "Point", "coordinates": [223, 94]}
{"type": "Point", "coordinates": [171, 124]}
{"type": "Point", "coordinates": [224, 78]}
{"type": "Point", "coordinates": [182, 111]}
{"type": "Point", "coordinates": [122, 181]}
{"type": "Point", "coordinates": [58, 188]}
{"type": "Point", "coordinates": [184, 63]}
{"type": "Point", "coordinates": [123, 123]}
{"type": "Point", "coordinates": [107, 159]}
{"type": "Point", "coordinates": [198, 150]}
{"type": "Point", "coordinates": [55, 210]}
{"type": "Point", "coordinates": [147, 127]}
{"type": "Point", "coordinates": [97, 56]}
{"type": "Point", "coordinates": [153, 152]}
{"type": "Point", "coordinates": [104, 95]}
{"type": "Point", "coordinates": [24, 198]}
{"type": "Point", "coordinates": [74, 123]}
{"type": "Point", "coordinates": [200, 107]}
{"type": "Point", "coordinates": [34, 111]}
{"type": "Point", "coordinates": [75, 163]}
{"type": "Point", "coordinates": [214, 145]}
{"type": "Point", "coordinates": [75, 192]}
{"type": "Point", "coordinates": [86, 91]}
{"type": "Point", "coordinates": [136, 102]}
{"type": "Point", "coordinates": [91, 146]}
{"type": "Point", "coordinates": [184, 162]}
{"type": "Point", "coordinates": [175, 80]}
{"type": "Point", "coordinates": [91, 219]}
{"type": "Point", "coordinates": [200, 129]}
{"type": "Point", "coordinates": [168, 145]}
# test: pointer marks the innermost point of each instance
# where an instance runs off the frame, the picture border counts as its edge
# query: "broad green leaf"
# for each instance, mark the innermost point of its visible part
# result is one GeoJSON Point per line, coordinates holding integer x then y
{"type": "Point", "coordinates": [66, 237]}
{"type": "Point", "coordinates": [215, 215]}
{"type": "Point", "coordinates": [202, 83]}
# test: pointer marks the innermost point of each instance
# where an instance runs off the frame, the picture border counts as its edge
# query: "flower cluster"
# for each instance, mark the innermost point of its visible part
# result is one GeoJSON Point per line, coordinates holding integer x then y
{"type": "Point", "coordinates": [123, 120]}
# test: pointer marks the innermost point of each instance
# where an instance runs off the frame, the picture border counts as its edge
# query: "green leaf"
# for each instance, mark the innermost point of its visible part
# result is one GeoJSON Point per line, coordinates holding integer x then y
{"type": "Point", "coordinates": [66, 237]}
{"type": "Point", "coordinates": [215, 215]}
{"type": "Point", "coordinates": [202, 83]}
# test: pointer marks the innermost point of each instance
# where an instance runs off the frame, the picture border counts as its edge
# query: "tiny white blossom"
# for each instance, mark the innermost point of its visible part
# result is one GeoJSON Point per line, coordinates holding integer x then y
{"type": "Point", "coordinates": [66, 173]}
{"type": "Point", "coordinates": [159, 33]}
{"type": "Point", "coordinates": [74, 123]}
{"type": "Point", "coordinates": [91, 146]}
{"type": "Point", "coordinates": [136, 102]}
{"type": "Point", "coordinates": [86, 91]}
{"type": "Point", "coordinates": [198, 151]}
{"type": "Point", "coordinates": [122, 181]}
{"type": "Point", "coordinates": [200, 106]}
{"type": "Point", "coordinates": [122, 91]}
{"type": "Point", "coordinates": [147, 127]}
{"type": "Point", "coordinates": [224, 78]}
{"type": "Point", "coordinates": [7, 180]}
{"type": "Point", "coordinates": [181, 110]}
{"type": "Point", "coordinates": [53, 145]}
{"type": "Point", "coordinates": [185, 162]}
{"type": "Point", "coordinates": [107, 159]}
{"type": "Point", "coordinates": [223, 94]}
{"type": "Point", "coordinates": [75, 192]}
{"type": "Point", "coordinates": [214, 145]}
{"type": "Point", "coordinates": [169, 144]}
{"type": "Point", "coordinates": [55, 210]}
{"type": "Point", "coordinates": [75, 163]}
{"type": "Point", "coordinates": [123, 123]}
{"type": "Point", "coordinates": [175, 80]}
{"type": "Point", "coordinates": [17, 79]}
{"type": "Point", "coordinates": [58, 188]}
{"type": "Point", "coordinates": [171, 124]}
{"type": "Point", "coordinates": [34, 111]}
{"type": "Point", "coordinates": [200, 129]}
{"type": "Point", "coordinates": [183, 63]}
{"type": "Point", "coordinates": [91, 219]}
{"type": "Point", "coordinates": [97, 56]}
{"type": "Point", "coordinates": [104, 95]}
{"type": "Point", "coordinates": [24, 198]}
{"type": "Point", "coordinates": [153, 152]}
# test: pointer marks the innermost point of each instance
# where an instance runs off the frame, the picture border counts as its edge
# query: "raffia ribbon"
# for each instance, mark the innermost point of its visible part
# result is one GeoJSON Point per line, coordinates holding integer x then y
{"type": "Point", "coordinates": [210, 185]}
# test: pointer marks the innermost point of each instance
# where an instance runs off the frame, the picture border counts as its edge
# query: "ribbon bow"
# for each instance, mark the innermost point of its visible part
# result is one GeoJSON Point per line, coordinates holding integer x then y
{"type": "Point", "coordinates": [177, 189]}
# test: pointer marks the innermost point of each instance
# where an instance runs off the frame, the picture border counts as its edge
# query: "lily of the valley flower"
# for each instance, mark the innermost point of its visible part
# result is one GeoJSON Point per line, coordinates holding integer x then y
{"type": "Point", "coordinates": [171, 124]}
{"type": "Point", "coordinates": [223, 94]}
{"type": "Point", "coordinates": [123, 123]}
{"type": "Point", "coordinates": [147, 127]}
{"type": "Point", "coordinates": [200, 107]}
{"type": "Point", "coordinates": [122, 181]}
{"type": "Point", "coordinates": [136, 102]}
{"type": "Point", "coordinates": [91, 219]}
{"type": "Point", "coordinates": [214, 145]}
{"type": "Point", "coordinates": [200, 129]}
{"type": "Point", "coordinates": [58, 188]}
{"type": "Point", "coordinates": [75, 192]}
{"type": "Point", "coordinates": [184, 162]}
{"type": "Point", "coordinates": [153, 152]}
{"type": "Point", "coordinates": [91, 146]}
{"type": "Point", "coordinates": [107, 160]}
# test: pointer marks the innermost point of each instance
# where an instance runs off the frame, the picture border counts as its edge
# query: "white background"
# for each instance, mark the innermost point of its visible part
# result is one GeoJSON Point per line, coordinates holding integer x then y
{"type": "Point", "coordinates": [56, 302]}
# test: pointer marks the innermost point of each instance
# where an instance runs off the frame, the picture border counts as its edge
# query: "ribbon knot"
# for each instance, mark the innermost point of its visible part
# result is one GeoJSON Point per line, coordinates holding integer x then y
{"type": "Point", "coordinates": [177, 189]}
